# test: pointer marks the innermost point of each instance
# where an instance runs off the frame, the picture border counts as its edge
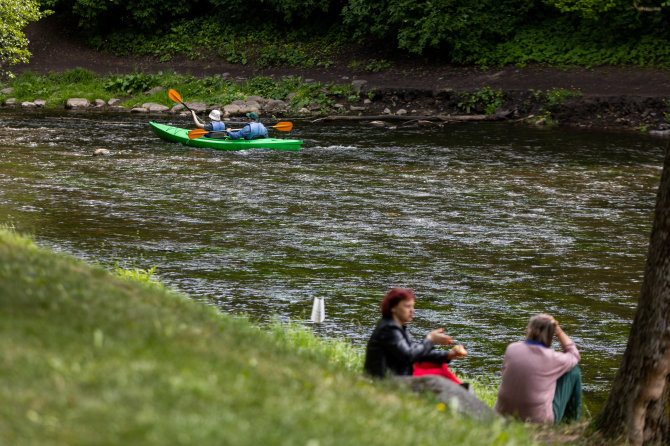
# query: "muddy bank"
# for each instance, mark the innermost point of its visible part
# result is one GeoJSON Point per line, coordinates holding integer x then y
{"type": "Point", "coordinates": [415, 106]}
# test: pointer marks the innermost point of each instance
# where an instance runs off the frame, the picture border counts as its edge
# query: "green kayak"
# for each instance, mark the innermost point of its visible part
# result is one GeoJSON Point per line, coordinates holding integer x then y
{"type": "Point", "coordinates": [175, 134]}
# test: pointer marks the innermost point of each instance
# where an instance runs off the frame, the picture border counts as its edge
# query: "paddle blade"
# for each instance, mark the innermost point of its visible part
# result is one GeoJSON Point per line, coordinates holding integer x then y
{"type": "Point", "coordinates": [174, 95]}
{"type": "Point", "coordinates": [283, 126]}
{"type": "Point", "coordinates": [197, 133]}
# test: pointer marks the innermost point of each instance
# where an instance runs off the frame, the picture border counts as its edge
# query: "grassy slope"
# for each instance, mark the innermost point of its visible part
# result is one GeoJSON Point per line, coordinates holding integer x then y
{"type": "Point", "coordinates": [92, 359]}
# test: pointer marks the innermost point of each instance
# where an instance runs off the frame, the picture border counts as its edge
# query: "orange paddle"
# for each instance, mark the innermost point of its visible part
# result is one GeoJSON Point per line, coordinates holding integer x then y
{"type": "Point", "coordinates": [283, 126]}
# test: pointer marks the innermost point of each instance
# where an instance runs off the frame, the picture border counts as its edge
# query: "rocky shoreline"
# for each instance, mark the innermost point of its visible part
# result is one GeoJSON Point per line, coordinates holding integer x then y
{"type": "Point", "coordinates": [411, 106]}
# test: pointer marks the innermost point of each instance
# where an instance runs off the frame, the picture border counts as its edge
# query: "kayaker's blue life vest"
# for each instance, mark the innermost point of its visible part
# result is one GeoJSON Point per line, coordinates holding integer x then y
{"type": "Point", "coordinates": [216, 126]}
{"type": "Point", "coordinates": [258, 131]}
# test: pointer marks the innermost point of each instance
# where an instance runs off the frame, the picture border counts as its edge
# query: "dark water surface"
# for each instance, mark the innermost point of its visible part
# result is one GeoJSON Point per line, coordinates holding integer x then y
{"type": "Point", "coordinates": [489, 223]}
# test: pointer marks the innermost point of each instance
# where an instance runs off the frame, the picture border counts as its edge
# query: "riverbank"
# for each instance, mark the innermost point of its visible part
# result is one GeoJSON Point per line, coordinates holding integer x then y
{"type": "Point", "coordinates": [96, 358]}
{"type": "Point", "coordinates": [610, 97]}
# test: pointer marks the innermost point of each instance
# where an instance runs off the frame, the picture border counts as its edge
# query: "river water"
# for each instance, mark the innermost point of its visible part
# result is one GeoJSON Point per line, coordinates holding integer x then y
{"type": "Point", "coordinates": [488, 223]}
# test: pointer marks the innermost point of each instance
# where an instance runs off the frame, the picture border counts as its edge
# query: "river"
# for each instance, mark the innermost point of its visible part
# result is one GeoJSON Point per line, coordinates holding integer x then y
{"type": "Point", "coordinates": [488, 223]}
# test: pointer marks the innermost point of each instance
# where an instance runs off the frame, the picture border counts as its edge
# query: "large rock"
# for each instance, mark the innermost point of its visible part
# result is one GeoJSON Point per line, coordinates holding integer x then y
{"type": "Point", "coordinates": [358, 84]}
{"type": "Point", "coordinates": [243, 107]}
{"type": "Point", "coordinates": [77, 103]}
{"type": "Point", "coordinates": [275, 106]}
{"type": "Point", "coordinates": [451, 394]}
{"type": "Point", "coordinates": [8, 90]}
{"type": "Point", "coordinates": [155, 108]}
{"type": "Point", "coordinates": [231, 109]}
{"type": "Point", "coordinates": [197, 107]}
{"type": "Point", "coordinates": [258, 99]}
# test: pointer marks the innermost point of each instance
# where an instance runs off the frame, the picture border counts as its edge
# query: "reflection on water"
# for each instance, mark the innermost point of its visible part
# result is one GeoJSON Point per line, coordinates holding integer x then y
{"type": "Point", "coordinates": [488, 223]}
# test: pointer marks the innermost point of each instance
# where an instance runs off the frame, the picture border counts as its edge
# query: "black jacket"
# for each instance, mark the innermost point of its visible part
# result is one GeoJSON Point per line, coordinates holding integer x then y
{"type": "Point", "coordinates": [392, 350]}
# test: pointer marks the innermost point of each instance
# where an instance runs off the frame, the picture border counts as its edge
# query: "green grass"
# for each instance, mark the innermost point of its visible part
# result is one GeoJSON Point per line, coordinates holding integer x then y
{"type": "Point", "coordinates": [95, 358]}
{"type": "Point", "coordinates": [56, 88]}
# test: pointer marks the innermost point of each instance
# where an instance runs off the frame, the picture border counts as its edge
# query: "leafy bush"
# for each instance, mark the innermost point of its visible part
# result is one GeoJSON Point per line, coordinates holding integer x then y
{"type": "Point", "coordinates": [74, 76]}
{"type": "Point", "coordinates": [98, 17]}
{"type": "Point", "coordinates": [485, 99]}
{"type": "Point", "coordinates": [451, 26]}
{"type": "Point", "coordinates": [377, 65]}
{"type": "Point", "coordinates": [31, 85]}
{"type": "Point", "coordinates": [131, 83]}
{"type": "Point", "coordinates": [14, 16]}
{"type": "Point", "coordinates": [287, 54]}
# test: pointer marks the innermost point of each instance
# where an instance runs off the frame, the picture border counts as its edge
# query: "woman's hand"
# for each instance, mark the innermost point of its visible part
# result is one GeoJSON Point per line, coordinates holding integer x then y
{"type": "Point", "coordinates": [438, 337]}
{"type": "Point", "coordinates": [563, 338]}
{"type": "Point", "coordinates": [458, 351]}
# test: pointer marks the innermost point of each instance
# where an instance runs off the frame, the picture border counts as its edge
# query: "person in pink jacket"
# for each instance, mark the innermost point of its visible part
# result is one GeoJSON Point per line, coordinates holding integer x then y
{"type": "Point", "coordinates": [541, 384]}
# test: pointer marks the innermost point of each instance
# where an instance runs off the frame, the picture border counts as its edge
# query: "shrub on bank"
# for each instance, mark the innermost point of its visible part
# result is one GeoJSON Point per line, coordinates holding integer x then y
{"type": "Point", "coordinates": [132, 89]}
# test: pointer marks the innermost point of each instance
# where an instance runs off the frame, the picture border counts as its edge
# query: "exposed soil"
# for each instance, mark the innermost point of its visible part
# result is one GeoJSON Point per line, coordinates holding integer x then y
{"type": "Point", "coordinates": [619, 97]}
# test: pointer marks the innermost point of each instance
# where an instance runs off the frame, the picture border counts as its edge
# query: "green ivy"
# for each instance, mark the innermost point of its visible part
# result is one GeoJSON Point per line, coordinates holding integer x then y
{"type": "Point", "coordinates": [485, 99]}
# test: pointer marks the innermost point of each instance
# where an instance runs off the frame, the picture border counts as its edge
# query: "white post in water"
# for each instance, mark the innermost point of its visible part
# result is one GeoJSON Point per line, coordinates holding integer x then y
{"type": "Point", "coordinates": [318, 310]}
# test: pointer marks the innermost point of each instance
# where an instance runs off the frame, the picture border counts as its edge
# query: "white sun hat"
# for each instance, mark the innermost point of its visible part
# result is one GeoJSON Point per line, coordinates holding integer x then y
{"type": "Point", "coordinates": [215, 115]}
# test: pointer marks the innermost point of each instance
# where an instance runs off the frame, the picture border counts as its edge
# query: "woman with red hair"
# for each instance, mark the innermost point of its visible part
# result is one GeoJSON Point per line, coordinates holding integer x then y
{"type": "Point", "coordinates": [391, 350]}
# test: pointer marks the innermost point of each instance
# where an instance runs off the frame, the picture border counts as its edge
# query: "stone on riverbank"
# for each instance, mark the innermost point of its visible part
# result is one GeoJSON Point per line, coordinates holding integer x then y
{"type": "Point", "coordinates": [358, 84]}
{"type": "Point", "coordinates": [451, 394]}
{"type": "Point", "coordinates": [74, 103]}
{"type": "Point", "coordinates": [153, 107]}
{"type": "Point", "coordinates": [275, 106]}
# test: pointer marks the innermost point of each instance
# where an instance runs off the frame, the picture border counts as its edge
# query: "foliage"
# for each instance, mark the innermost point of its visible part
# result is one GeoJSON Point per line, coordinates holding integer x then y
{"type": "Point", "coordinates": [558, 43]}
{"type": "Point", "coordinates": [586, 7]}
{"type": "Point", "coordinates": [91, 358]}
{"type": "Point", "coordinates": [138, 275]}
{"type": "Point", "coordinates": [452, 26]}
{"type": "Point", "coordinates": [214, 90]}
{"type": "Point", "coordinates": [56, 88]}
{"type": "Point", "coordinates": [377, 65]}
{"type": "Point", "coordinates": [14, 16]}
{"type": "Point", "coordinates": [291, 55]}
{"type": "Point", "coordinates": [266, 88]}
{"type": "Point", "coordinates": [309, 33]}
{"type": "Point", "coordinates": [555, 97]}
{"type": "Point", "coordinates": [130, 83]}
{"type": "Point", "coordinates": [95, 16]}
{"type": "Point", "coordinates": [485, 99]}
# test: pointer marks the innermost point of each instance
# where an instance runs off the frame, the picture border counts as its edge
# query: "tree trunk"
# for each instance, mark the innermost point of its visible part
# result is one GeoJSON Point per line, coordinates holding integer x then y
{"type": "Point", "coordinates": [638, 406]}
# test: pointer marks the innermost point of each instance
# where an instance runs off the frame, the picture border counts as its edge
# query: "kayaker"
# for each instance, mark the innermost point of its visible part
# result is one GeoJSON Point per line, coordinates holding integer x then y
{"type": "Point", "coordinates": [392, 351]}
{"type": "Point", "coordinates": [252, 130]}
{"type": "Point", "coordinates": [215, 125]}
{"type": "Point", "coordinates": [539, 383]}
